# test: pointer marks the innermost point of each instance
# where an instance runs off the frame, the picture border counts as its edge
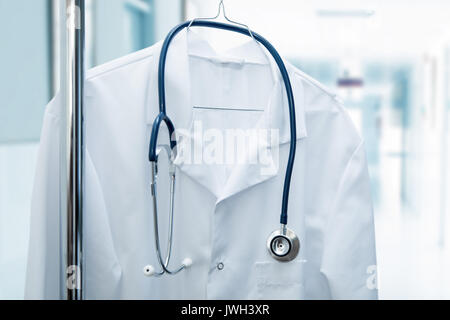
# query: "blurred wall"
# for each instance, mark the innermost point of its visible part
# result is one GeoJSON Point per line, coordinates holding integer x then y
{"type": "Point", "coordinates": [118, 27]}
{"type": "Point", "coordinates": [25, 68]}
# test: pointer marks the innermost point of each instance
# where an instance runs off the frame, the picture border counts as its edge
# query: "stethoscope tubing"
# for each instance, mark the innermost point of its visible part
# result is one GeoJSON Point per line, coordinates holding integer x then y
{"type": "Point", "coordinates": [164, 264]}
{"type": "Point", "coordinates": [163, 117]}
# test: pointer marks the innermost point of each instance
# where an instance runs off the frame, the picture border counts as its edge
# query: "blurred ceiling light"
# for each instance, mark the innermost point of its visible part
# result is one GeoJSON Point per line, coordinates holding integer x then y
{"type": "Point", "coordinates": [345, 13]}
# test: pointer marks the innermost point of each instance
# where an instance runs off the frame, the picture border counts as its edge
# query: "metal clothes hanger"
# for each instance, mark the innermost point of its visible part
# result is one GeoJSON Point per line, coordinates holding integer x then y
{"type": "Point", "coordinates": [222, 10]}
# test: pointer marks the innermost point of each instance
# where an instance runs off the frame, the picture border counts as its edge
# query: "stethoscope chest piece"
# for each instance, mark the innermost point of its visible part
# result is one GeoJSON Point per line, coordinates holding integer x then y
{"type": "Point", "coordinates": [283, 244]}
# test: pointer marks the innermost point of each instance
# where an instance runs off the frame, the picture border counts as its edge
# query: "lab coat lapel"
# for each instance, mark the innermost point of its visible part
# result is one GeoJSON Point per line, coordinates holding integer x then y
{"type": "Point", "coordinates": [277, 129]}
{"type": "Point", "coordinates": [250, 174]}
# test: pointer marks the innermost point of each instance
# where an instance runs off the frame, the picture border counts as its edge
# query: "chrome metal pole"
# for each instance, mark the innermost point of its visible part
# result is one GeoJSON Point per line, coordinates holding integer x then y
{"type": "Point", "coordinates": [75, 75]}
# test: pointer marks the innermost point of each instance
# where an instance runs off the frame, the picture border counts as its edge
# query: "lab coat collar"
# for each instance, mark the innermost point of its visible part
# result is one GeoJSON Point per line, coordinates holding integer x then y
{"type": "Point", "coordinates": [248, 52]}
{"type": "Point", "coordinates": [179, 109]}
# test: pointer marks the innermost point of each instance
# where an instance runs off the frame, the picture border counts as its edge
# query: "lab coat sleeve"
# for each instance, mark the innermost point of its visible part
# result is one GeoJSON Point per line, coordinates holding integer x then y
{"type": "Point", "coordinates": [349, 257]}
{"type": "Point", "coordinates": [42, 278]}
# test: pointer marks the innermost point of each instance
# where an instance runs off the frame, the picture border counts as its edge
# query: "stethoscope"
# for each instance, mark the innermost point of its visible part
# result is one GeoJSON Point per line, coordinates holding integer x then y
{"type": "Point", "coordinates": [282, 244]}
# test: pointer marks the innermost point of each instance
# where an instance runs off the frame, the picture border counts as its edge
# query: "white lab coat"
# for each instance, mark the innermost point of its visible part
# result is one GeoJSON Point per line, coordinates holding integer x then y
{"type": "Point", "coordinates": [224, 213]}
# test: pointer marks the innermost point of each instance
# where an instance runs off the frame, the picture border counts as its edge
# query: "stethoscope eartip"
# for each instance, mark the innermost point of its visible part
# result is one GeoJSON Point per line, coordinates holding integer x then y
{"type": "Point", "coordinates": [187, 263]}
{"type": "Point", "coordinates": [149, 271]}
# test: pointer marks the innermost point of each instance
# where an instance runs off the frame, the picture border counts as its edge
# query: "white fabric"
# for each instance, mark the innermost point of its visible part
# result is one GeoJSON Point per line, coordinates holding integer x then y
{"type": "Point", "coordinates": [224, 213]}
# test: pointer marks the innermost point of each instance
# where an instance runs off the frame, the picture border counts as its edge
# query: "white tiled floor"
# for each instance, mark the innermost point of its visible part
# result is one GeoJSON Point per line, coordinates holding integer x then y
{"type": "Point", "coordinates": [411, 264]}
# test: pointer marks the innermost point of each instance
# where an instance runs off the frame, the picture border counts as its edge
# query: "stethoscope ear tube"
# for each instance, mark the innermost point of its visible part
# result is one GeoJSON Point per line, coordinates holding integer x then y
{"type": "Point", "coordinates": [283, 71]}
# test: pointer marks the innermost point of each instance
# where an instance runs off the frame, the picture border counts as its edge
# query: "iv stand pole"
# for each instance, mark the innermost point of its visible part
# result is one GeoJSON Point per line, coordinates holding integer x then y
{"type": "Point", "coordinates": [73, 217]}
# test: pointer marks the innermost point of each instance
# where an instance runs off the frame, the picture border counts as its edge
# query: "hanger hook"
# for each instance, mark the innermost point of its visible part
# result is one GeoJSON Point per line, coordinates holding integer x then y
{"type": "Point", "coordinates": [222, 9]}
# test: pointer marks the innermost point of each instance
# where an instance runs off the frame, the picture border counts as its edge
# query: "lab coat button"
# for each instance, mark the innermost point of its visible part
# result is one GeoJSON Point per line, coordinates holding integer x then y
{"type": "Point", "coordinates": [220, 266]}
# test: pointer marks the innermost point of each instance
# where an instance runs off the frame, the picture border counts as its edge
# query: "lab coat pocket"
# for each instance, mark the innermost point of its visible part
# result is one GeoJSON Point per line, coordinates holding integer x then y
{"type": "Point", "coordinates": [280, 281]}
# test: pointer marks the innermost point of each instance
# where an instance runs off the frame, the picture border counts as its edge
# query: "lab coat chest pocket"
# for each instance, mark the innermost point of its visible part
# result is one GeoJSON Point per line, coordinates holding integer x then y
{"type": "Point", "coordinates": [280, 281]}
